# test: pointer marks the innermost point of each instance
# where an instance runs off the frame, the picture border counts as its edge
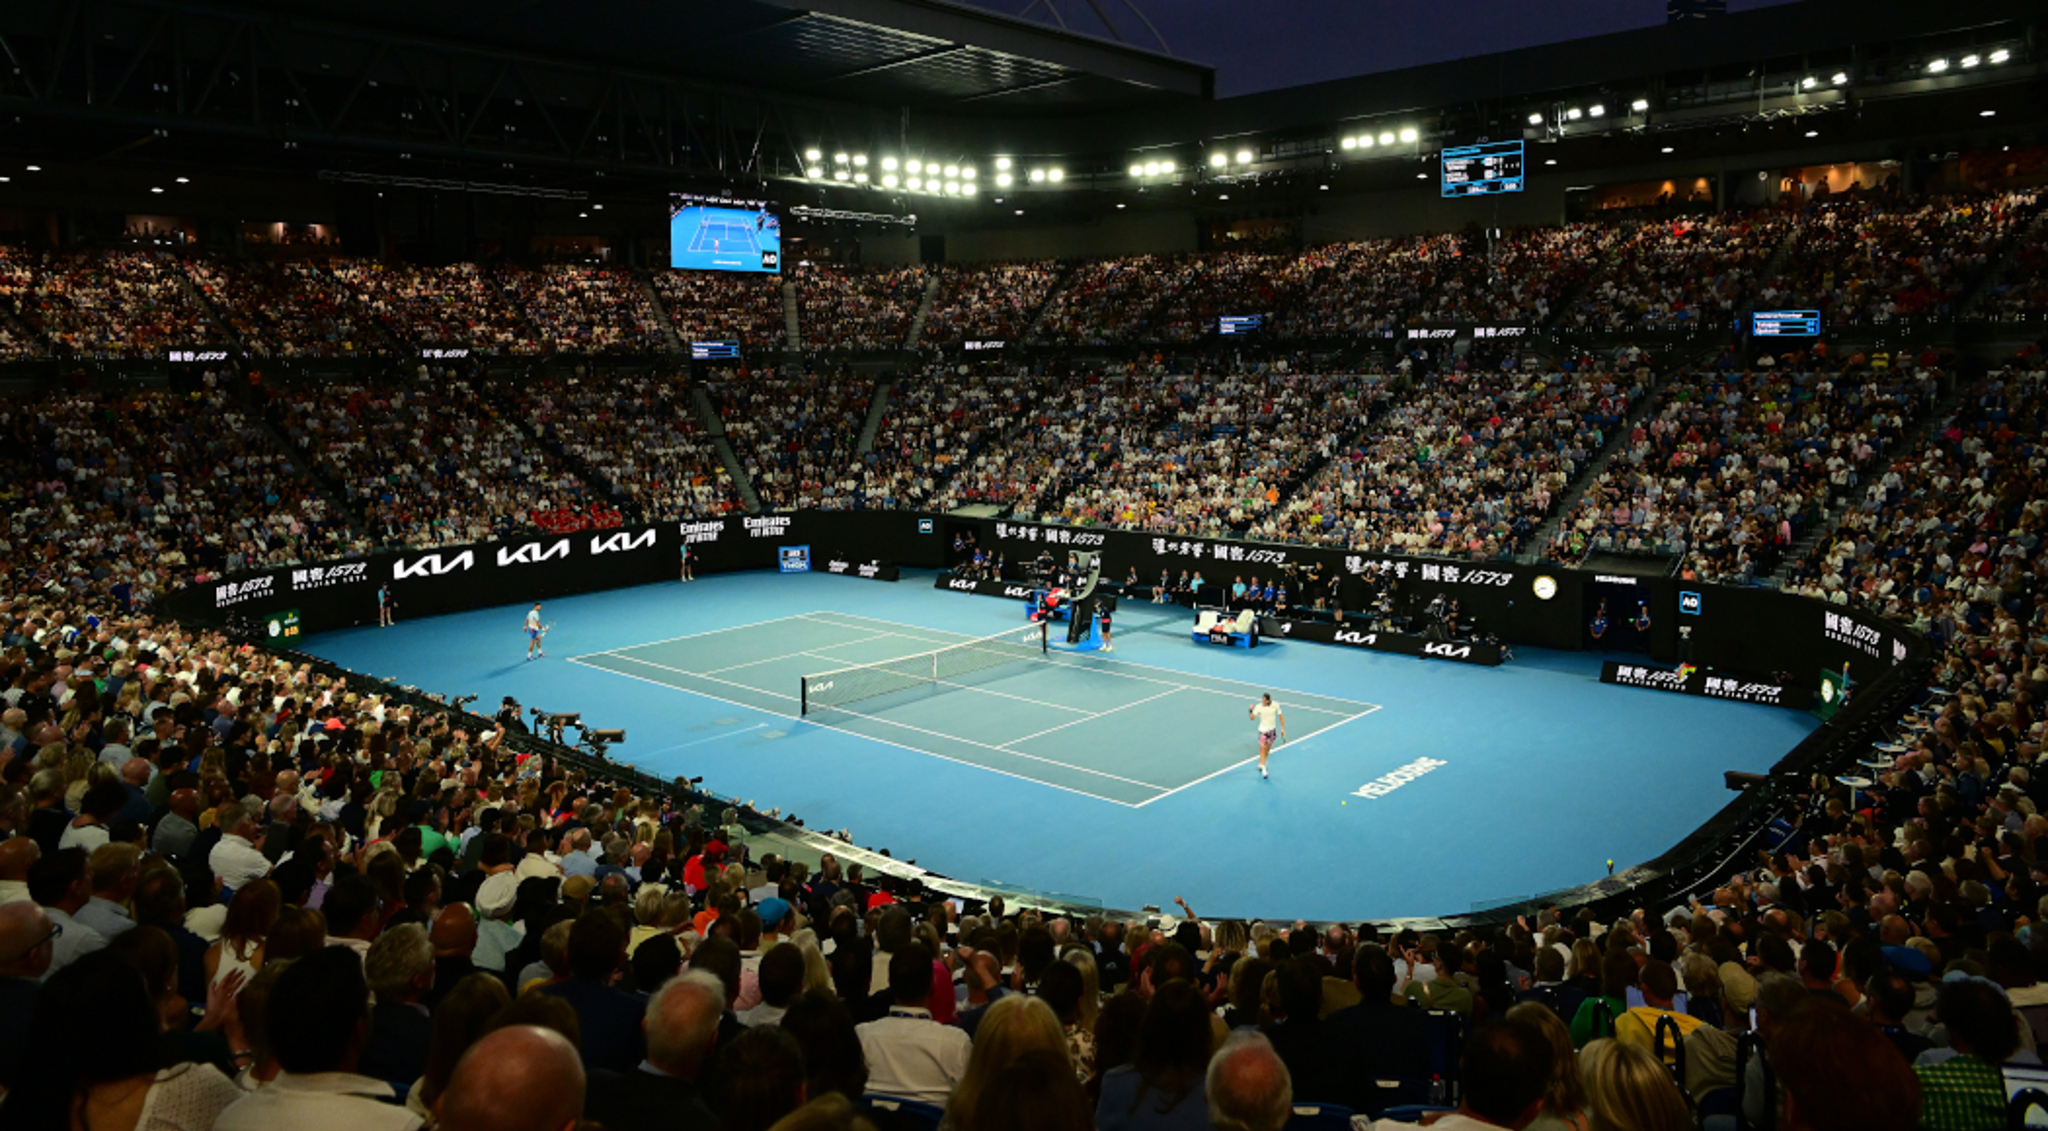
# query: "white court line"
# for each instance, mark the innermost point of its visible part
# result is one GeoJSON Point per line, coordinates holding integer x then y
{"type": "Point", "coordinates": [1119, 661]}
{"type": "Point", "coordinates": [697, 675]}
{"type": "Point", "coordinates": [869, 737]}
{"type": "Point", "coordinates": [710, 632]}
{"type": "Point", "coordinates": [1250, 760]}
{"type": "Point", "coordinates": [789, 655]}
{"type": "Point", "coordinates": [1096, 715]}
{"type": "Point", "coordinates": [967, 687]}
{"type": "Point", "coordinates": [907, 726]}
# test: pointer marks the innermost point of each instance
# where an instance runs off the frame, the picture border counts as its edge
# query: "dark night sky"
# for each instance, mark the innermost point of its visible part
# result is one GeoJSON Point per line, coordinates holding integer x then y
{"type": "Point", "coordinates": [1262, 44]}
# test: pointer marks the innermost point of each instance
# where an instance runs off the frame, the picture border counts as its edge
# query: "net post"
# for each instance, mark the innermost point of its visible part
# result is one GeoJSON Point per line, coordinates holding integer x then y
{"type": "Point", "coordinates": [803, 695]}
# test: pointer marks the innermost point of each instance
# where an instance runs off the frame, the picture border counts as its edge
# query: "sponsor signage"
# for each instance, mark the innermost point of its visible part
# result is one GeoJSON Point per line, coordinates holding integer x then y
{"type": "Point", "coordinates": [1399, 643]}
{"type": "Point", "coordinates": [1049, 535]}
{"type": "Point", "coordinates": [327, 577]}
{"type": "Point", "coordinates": [1388, 783]}
{"type": "Point", "coordinates": [445, 352]}
{"type": "Point", "coordinates": [282, 628]}
{"type": "Point", "coordinates": [873, 571]}
{"type": "Point", "coordinates": [1861, 635]}
{"type": "Point", "coordinates": [1219, 636]}
{"type": "Point", "coordinates": [199, 355]}
{"type": "Point", "coordinates": [532, 553]}
{"type": "Point", "coordinates": [1696, 682]}
{"type": "Point", "coordinates": [794, 559]}
{"type": "Point", "coordinates": [432, 565]}
{"type": "Point", "coordinates": [925, 526]}
{"type": "Point", "coordinates": [1689, 603]}
{"type": "Point", "coordinates": [771, 526]}
{"type": "Point", "coordinates": [231, 593]}
{"type": "Point", "coordinates": [986, 344]}
{"type": "Point", "coordinates": [700, 533]}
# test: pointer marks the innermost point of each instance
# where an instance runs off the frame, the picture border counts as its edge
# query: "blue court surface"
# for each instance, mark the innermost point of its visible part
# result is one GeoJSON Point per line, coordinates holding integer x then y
{"type": "Point", "coordinates": [714, 236]}
{"type": "Point", "coordinates": [1127, 778]}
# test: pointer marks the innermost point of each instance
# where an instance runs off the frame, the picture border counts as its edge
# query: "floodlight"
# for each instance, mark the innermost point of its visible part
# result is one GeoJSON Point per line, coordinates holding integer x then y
{"type": "Point", "coordinates": [157, 189]}
{"type": "Point", "coordinates": [1668, 149]}
{"type": "Point", "coordinates": [840, 175]}
{"type": "Point", "coordinates": [968, 188]}
{"type": "Point", "coordinates": [1149, 168]}
{"type": "Point", "coordinates": [1841, 77]}
{"type": "Point", "coordinates": [1055, 174]}
{"type": "Point", "coordinates": [914, 184]}
{"type": "Point", "coordinates": [1808, 83]}
{"type": "Point", "coordinates": [1365, 141]}
{"type": "Point", "coordinates": [184, 180]}
{"type": "Point", "coordinates": [1166, 167]}
{"type": "Point", "coordinates": [952, 170]}
{"type": "Point", "coordinates": [888, 180]}
{"type": "Point", "coordinates": [1972, 60]}
{"type": "Point", "coordinates": [1244, 156]}
{"type": "Point", "coordinates": [2000, 55]}
{"type": "Point", "coordinates": [1813, 133]}
{"type": "Point", "coordinates": [1137, 170]}
{"type": "Point", "coordinates": [1639, 105]}
{"type": "Point", "coordinates": [1410, 134]}
{"type": "Point", "coordinates": [1987, 113]}
{"type": "Point", "coordinates": [1002, 163]}
{"type": "Point", "coordinates": [1938, 66]}
{"type": "Point", "coordinates": [1535, 119]}
{"type": "Point", "coordinates": [860, 160]}
{"type": "Point", "coordinates": [889, 164]}
{"type": "Point", "coordinates": [1387, 138]}
{"type": "Point", "coordinates": [952, 188]}
{"type": "Point", "coordinates": [1597, 110]}
{"type": "Point", "coordinates": [840, 159]}
{"type": "Point", "coordinates": [1037, 176]}
{"type": "Point", "coordinates": [913, 166]}
{"type": "Point", "coordinates": [1574, 114]}
{"type": "Point", "coordinates": [860, 178]}
{"type": "Point", "coordinates": [816, 172]}
{"type": "Point", "coordinates": [1348, 143]}
{"type": "Point", "coordinates": [812, 155]}
{"type": "Point", "coordinates": [967, 171]}
{"type": "Point", "coordinates": [1218, 160]}
{"type": "Point", "coordinates": [1003, 180]}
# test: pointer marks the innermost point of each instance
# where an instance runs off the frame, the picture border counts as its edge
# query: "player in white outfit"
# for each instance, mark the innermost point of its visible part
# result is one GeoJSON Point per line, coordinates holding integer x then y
{"type": "Point", "coordinates": [1272, 727]}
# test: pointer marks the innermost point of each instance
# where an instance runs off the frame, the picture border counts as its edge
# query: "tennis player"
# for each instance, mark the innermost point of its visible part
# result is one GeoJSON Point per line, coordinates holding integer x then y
{"type": "Point", "coordinates": [1272, 727]}
{"type": "Point", "coordinates": [533, 632]}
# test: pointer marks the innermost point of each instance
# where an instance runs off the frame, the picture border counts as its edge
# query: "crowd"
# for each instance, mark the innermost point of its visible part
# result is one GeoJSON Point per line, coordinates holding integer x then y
{"type": "Point", "coordinates": [707, 306]}
{"type": "Point", "coordinates": [1873, 261]}
{"type": "Point", "coordinates": [287, 307]}
{"type": "Point", "coordinates": [1515, 277]}
{"type": "Point", "coordinates": [1738, 463]}
{"type": "Point", "coordinates": [1107, 301]}
{"type": "Point", "coordinates": [1466, 462]}
{"type": "Point", "coordinates": [2021, 289]}
{"type": "Point", "coordinates": [430, 460]}
{"type": "Point", "coordinates": [108, 304]}
{"type": "Point", "coordinates": [641, 434]}
{"type": "Point", "coordinates": [988, 302]}
{"type": "Point", "coordinates": [582, 309]}
{"type": "Point", "coordinates": [1360, 289]}
{"type": "Point", "coordinates": [796, 436]}
{"type": "Point", "coordinates": [459, 306]}
{"type": "Point", "coordinates": [237, 893]}
{"type": "Point", "coordinates": [1678, 274]}
{"type": "Point", "coordinates": [121, 497]}
{"type": "Point", "coordinates": [858, 308]}
{"type": "Point", "coordinates": [1946, 537]}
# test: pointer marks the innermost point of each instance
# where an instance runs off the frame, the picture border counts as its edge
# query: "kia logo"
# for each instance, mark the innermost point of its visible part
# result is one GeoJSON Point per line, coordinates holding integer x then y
{"type": "Point", "coordinates": [432, 566]}
{"type": "Point", "coordinates": [964, 585]}
{"type": "Point", "coordinates": [1366, 638]}
{"type": "Point", "coordinates": [621, 541]}
{"type": "Point", "coordinates": [1448, 651]}
{"type": "Point", "coordinates": [1016, 591]}
{"type": "Point", "coordinates": [532, 552]}
{"type": "Point", "coordinates": [825, 686]}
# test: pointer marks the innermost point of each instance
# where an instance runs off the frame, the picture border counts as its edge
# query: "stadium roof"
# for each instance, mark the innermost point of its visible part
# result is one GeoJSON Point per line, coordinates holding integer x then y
{"type": "Point", "coordinates": [917, 54]}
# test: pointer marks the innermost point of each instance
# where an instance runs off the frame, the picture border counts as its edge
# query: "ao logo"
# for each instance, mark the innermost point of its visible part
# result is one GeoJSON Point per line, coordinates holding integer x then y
{"type": "Point", "coordinates": [621, 541]}
{"type": "Point", "coordinates": [532, 552]}
{"type": "Point", "coordinates": [1449, 651]}
{"type": "Point", "coordinates": [1689, 603]}
{"type": "Point", "coordinates": [432, 566]}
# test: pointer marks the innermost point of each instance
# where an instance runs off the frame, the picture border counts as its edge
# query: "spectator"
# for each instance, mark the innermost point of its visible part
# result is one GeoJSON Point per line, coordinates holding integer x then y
{"type": "Point", "coordinates": [1248, 1086]}
{"type": "Point", "coordinates": [909, 1055]}
{"type": "Point", "coordinates": [610, 1018]}
{"type": "Point", "coordinates": [662, 1092]}
{"type": "Point", "coordinates": [833, 1058]}
{"type": "Point", "coordinates": [59, 885]}
{"type": "Point", "coordinates": [516, 1078]}
{"type": "Point", "coordinates": [1162, 1088]}
{"type": "Point", "coordinates": [1965, 1091]}
{"type": "Point", "coordinates": [761, 1079]}
{"type": "Point", "coordinates": [1034, 1092]}
{"type": "Point", "coordinates": [400, 972]}
{"type": "Point", "coordinates": [461, 1017]}
{"type": "Point", "coordinates": [1013, 1027]}
{"type": "Point", "coordinates": [1564, 1105]}
{"type": "Point", "coordinates": [1836, 1074]}
{"type": "Point", "coordinates": [27, 944]}
{"type": "Point", "coordinates": [1627, 1088]}
{"type": "Point", "coordinates": [317, 1021]}
{"type": "Point", "coordinates": [102, 1004]}
{"type": "Point", "coordinates": [1506, 1072]}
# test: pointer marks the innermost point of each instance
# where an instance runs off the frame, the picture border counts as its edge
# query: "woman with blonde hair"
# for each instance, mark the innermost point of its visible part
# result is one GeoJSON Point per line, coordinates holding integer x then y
{"type": "Point", "coordinates": [1013, 1026]}
{"type": "Point", "coordinates": [817, 972]}
{"type": "Point", "coordinates": [1628, 1089]}
{"type": "Point", "coordinates": [1083, 959]}
{"type": "Point", "coordinates": [78, 775]}
{"type": "Point", "coordinates": [1564, 1105]}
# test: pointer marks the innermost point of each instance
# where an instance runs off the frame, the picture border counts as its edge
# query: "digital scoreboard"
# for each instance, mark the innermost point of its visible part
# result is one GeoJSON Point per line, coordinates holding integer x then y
{"type": "Point", "coordinates": [1230, 324]}
{"type": "Point", "coordinates": [1785, 324]}
{"type": "Point", "coordinates": [1479, 170]}
{"type": "Point", "coordinates": [715, 351]}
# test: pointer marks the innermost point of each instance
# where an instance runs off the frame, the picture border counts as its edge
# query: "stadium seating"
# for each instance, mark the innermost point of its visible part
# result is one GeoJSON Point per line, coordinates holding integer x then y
{"type": "Point", "coordinates": [855, 308]}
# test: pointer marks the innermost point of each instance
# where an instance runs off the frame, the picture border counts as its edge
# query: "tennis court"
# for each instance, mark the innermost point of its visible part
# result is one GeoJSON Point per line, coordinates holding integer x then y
{"type": "Point", "coordinates": [715, 236]}
{"type": "Point", "coordinates": [1085, 723]}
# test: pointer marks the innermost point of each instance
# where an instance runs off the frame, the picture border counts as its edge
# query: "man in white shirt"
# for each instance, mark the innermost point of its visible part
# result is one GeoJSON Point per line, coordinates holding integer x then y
{"type": "Point", "coordinates": [322, 1009]}
{"type": "Point", "coordinates": [910, 1055]}
{"type": "Point", "coordinates": [238, 859]}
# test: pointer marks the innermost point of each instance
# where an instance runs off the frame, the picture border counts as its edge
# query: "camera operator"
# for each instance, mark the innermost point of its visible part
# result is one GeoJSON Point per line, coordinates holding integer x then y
{"type": "Point", "coordinates": [508, 716]}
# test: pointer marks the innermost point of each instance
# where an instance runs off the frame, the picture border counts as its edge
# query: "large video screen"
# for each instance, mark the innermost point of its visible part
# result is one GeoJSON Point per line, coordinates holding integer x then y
{"type": "Point", "coordinates": [716, 234]}
{"type": "Point", "coordinates": [1477, 170]}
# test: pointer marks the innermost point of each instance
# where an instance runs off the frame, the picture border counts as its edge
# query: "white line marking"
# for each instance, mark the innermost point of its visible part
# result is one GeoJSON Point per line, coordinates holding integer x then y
{"type": "Point", "coordinates": [693, 675]}
{"type": "Point", "coordinates": [706, 632]}
{"type": "Point", "coordinates": [1094, 716]}
{"type": "Point", "coordinates": [1250, 760]}
{"type": "Point", "coordinates": [997, 749]}
{"type": "Point", "coordinates": [786, 655]}
{"type": "Point", "coordinates": [871, 738]}
{"type": "Point", "coordinates": [1105, 669]}
{"type": "Point", "coordinates": [701, 741]}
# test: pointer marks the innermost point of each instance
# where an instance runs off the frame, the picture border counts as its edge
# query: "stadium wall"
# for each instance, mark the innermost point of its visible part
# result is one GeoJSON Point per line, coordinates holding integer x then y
{"type": "Point", "coordinates": [1142, 233]}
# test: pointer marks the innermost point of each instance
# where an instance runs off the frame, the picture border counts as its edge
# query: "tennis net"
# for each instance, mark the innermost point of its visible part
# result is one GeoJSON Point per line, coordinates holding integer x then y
{"type": "Point", "coordinates": [839, 687]}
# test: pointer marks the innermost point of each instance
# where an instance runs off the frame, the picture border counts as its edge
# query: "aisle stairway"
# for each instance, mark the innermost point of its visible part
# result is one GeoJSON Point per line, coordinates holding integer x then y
{"type": "Point", "coordinates": [668, 325]}
{"type": "Point", "coordinates": [789, 317]}
{"type": "Point", "coordinates": [878, 408]}
{"type": "Point", "coordinates": [714, 426]}
{"type": "Point", "coordinates": [924, 309]}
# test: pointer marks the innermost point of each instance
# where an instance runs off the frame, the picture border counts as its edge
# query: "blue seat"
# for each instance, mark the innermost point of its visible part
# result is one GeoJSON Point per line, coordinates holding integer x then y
{"type": "Point", "coordinates": [1397, 1093]}
{"type": "Point", "coordinates": [902, 1114]}
{"type": "Point", "coordinates": [1319, 1117]}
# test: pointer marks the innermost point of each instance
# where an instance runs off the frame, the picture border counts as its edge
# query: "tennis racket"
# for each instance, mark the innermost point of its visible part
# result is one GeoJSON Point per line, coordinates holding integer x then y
{"type": "Point", "coordinates": [546, 628]}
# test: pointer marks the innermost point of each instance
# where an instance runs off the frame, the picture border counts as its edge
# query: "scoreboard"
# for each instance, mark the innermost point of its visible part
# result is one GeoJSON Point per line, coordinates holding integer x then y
{"type": "Point", "coordinates": [1785, 324]}
{"type": "Point", "coordinates": [1479, 170]}
{"type": "Point", "coordinates": [1229, 324]}
{"type": "Point", "coordinates": [714, 351]}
